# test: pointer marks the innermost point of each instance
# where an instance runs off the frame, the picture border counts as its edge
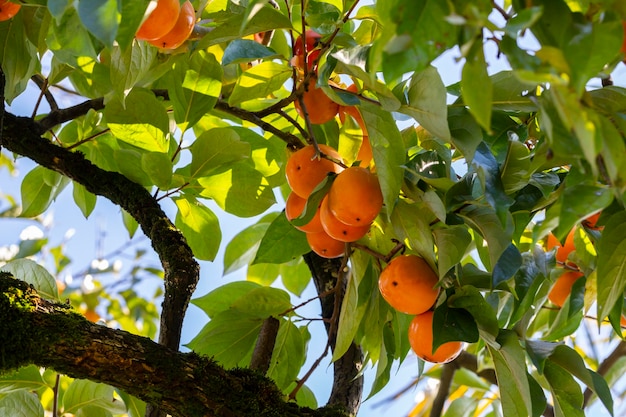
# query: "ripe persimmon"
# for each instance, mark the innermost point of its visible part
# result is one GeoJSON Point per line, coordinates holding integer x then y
{"type": "Point", "coordinates": [181, 30]}
{"type": "Point", "coordinates": [338, 230]}
{"type": "Point", "coordinates": [160, 20]}
{"type": "Point", "coordinates": [421, 340]}
{"type": "Point", "coordinates": [325, 246]}
{"type": "Point", "coordinates": [294, 206]}
{"type": "Point", "coordinates": [355, 197]}
{"type": "Point", "coordinates": [563, 250]}
{"type": "Point", "coordinates": [408, 283]}
{"type": "Point", "coordinates": [562, 288]}
{"type": "Point", "coordinates": [591, 221]}
{"type": "Point", "coordinates": [91, 315]}
{"type": "Point", "coordinates": [304, 171]}
{"type": "Point", "coordinates": [320, 108]}
{"type": "Point", "coordinates": [8, 9]}
{"type": "Point", "coordinates": [312, 40]}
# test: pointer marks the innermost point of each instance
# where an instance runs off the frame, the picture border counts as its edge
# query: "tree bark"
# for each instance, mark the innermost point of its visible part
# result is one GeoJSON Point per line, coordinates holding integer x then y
{"type": "Point", "coordinates": [51, 335]}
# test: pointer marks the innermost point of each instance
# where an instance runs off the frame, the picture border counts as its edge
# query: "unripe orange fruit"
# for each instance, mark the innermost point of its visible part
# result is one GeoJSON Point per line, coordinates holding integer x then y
{"type": "Point", "coordinates": [338, 230]}
{"type": "Point", "coordinates": [294, 207]}
{"type": "Point", "coordinates": [355, 197]}
{"type": "Point", "coordinates": [8, 9]}
{"type": "Point", "coordinates": [324, 245]}
{"type": "Point", "coordinates": [304, 171]}
{"type": "Point", "coordinates": [562, 288]}
{"type": "Point", "coordinates": [160, 21]}
{"type": "Point", "coordinates": [181, 30]}
{"type": "Point", "coordinates": [408, 283]}
{"type": "Point", "coordinates": [421, 340]}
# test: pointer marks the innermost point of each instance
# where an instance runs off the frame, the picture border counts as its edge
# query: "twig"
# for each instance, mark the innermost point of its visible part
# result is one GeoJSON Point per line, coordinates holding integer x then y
{"type": "Point", "coordinates": [445, 381]}
{"type": "Point", "coordinates": [42, 83]}
{"type": "Point", "coordinates": [501, 10]}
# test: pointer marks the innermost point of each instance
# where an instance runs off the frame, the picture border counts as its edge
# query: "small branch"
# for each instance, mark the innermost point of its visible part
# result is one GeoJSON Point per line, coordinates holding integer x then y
{"type": "Point", "coordinates": [445, 382]}
{"type": "Point", "coordinates": [42, 83]}
{"type": "Point", "coordinates": [500, 10]}
{"type": "Point", "coordinates": [262, 354]}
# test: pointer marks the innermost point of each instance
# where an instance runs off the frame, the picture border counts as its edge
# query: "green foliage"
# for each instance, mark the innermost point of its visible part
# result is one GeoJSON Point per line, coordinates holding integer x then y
{"type": "Point", "coordinates": [474, 175]}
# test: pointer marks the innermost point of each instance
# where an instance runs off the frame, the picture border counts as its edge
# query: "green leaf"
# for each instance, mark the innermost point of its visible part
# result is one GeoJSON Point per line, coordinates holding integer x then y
{"type": "Point", "coordinates": [21, 404]}
{"type": "Point", "coordinates": [388, 151]}
{"type": "Point", "coordinates": [158, 167]}
{"type": "Point", "coordinates": [85, 200]}
{"type": "Point", "coordinates": [194, 85]}
{"type": "Point", "coordinates": [242, 248]}
{"type": "Point", "coordinates": [571, 361]}
{"type": "Point", "coordinates": [229, 338]}
{"type": "Point", "coordinates": [507, 265]}
{"type": "Point", "coordinates": [130, 223]}
{"type": "Point", "coordinates": [410, 226]}
{"type": "Point", "coordinates": [238, 189]}
{"type": "Point", "coordinates": [214, 148]}
{"type": "Point", "coordinates": [611, 277]}
{"type": "Point", "coordinates": [288, 356]}
{"type": "Point", "coordinates": [246, 50]}
{"type": "Point", "coordinates": [200, 227]}
{"type": "Point", "coordinates": [223, 297]}
{"type": "Point", "coordinates": [127, 161]}
{"type": "Point", "coordinates": [27, 378]}
{"type": "Point", "coordinates": [295, 276]}
{"type": "Point", "coordinates": [427, 102]}
{"type": "Point", "coordinates": [129, 66]}
{"type": "Point", "coordinates": [18, 57]}
{"type": "Point", "coordinates": [452, 243]}
{"type": "Point", "coordinates": [510, 367]}
{"type": "Point", "coordinates": [132, 15]}
{"type": "Point", "coordinates": [141, 121]}
{"type": "Point", "coordinates": [453, 324]}
{"type": "Point", "coordinates": [101, 18]}
{"type": "Point", "coordinates": [36, 275]}
{"type": "Point", "coordinates": [516, 171]}
{"type": "Point", "coordinates": [259, 82]}
{"type": "Point", "coordinates": [567, 395]}
{"type": "Point", "coordinates": [471, 300]}
{"type": "Point", "coordinates": [82, 393]}
{"type": "Point", "coordinates": [264, 274]}
{"type": "Point", "coordinates": [281, 243]}
{"type": "Point", "coordinates": [39, 188]}
{"type": "Point", "coordinates": [539, 351]}
{"type": "Point", "coordinates": [68, 39]}
{"type": "Point", "coordinates": [134, 406]}
{"type": "Point", "coordinates": [263, 302]}
{"type": "Point", "coordinates": [477, 88]}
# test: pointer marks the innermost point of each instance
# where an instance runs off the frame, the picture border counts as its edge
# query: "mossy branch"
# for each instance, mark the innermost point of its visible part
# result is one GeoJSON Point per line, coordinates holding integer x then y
{"type": "Point", "coordinates": [52, 335]}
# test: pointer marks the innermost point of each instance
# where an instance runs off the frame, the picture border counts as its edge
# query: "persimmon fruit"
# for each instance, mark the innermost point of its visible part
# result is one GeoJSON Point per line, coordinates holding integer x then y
{"type": "Point", "coordinates": [591, 222]}
{"type": "Point", "coordinates": [160, 20]}
{"type": "Point", "coordinates": [338, 230]}
{"type": "Point", "coordinates": [8, 9]}
{"type": "Point", "coordinates": [319, 107]}
{"type": "Point", "coordinates": [324, 245]}
{"type": "Point", "coordinates": [355, 197]}
{"type": "Point", "coordinates": [294, 206]}
{"type": "Point", "coordinates": [421, 341]}
{"type": "Point", "coordinates": [299, 49]}
{"type": "Point", "coordinates": [408, 283]}
{"type": "Point", "coordinates": [181, 30]}
{"type": "Point", "coordinates": [563, 250]}
{"type": "Point", "coordinates": [562, 288]}
{"type": "Point", "coordinates": [304, 171]}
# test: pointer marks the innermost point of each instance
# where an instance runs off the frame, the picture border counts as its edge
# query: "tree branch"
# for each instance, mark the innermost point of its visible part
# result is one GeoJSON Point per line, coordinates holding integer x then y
{"type": "Point", "coordinates": [447, 374]}
{"type": "Point", "coordinates": [21, 135]}
{"type": "Point", "coordinates": [347, 387]}
{"type": "Point", "coordinates": [53, 336]}
{"type": "Point", "coordinates": [605, 366]}
{"type": "Point", "coordinates": [262, 354]}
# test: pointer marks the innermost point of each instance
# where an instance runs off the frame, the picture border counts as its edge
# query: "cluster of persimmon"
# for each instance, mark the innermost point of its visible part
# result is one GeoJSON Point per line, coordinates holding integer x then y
{"type": "Point", "coordinates": [563, 285]}
{"type": "Point", "coordinates": [169, 25]}
{"type": "Point", "coordinates": [346, 212]}
{"type": "Point", "coordinates": [8, 9]}
{"type": "Point", "coordinates": [409, 285]}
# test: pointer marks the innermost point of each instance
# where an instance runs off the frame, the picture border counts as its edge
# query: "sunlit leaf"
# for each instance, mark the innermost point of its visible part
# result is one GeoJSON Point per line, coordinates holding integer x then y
{"type": "Point", "coordinates": [35, 274]}
{"type": "Point", "coordinates": [200, 227]}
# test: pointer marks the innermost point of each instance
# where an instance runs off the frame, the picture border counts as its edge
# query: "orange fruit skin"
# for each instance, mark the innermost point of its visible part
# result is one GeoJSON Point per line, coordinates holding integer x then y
{"type": "Point", "coordinates": [8, 9]}
{"type": "Point", "coordinates": [320, 108]}
{"type": "Point", "coordinates": [304, 172]}
{"type": "Point", "coordinates": [181, 30]}
{"type": "Point", "coordinates": [325, 246]}
{"type": "Point", "coordinates": [355, 197]}
{"type": "Point", "coordinates": [91, 315]}
{"type": "Point", "coordinates": [338, 230]}
{"type": "Point", "coordinates": [590, 222]}
{"type": "Point", "coordinates": [623, 50]}
{"type": "Point", "coordinates": [562, 288]}
{"type": "Point", "coordinates": [407, 283]}
{"type": "Point", "coordinates": [160, 21]}
{"type": "Point", "coordinates": [294, 206]}
{"type": "Point", "coordinates": [421, 340]}
{"type": "Point", "coordinates": [564, 250]}
{"type": "Point", "coordinates": [622, 321]}
{"type": "Point", "coordinates": [312, 39]}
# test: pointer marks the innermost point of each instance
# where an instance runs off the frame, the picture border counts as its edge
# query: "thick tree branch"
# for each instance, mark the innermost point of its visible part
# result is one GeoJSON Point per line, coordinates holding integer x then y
{"type": "Point", "coordinates": [21, 135]}
{"type": "Point", "coordinates": [347, 389]}
{"type": "Point", "coordinates": [262, 354]}
{"type": "Point", "coordinates": [53, 336]}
